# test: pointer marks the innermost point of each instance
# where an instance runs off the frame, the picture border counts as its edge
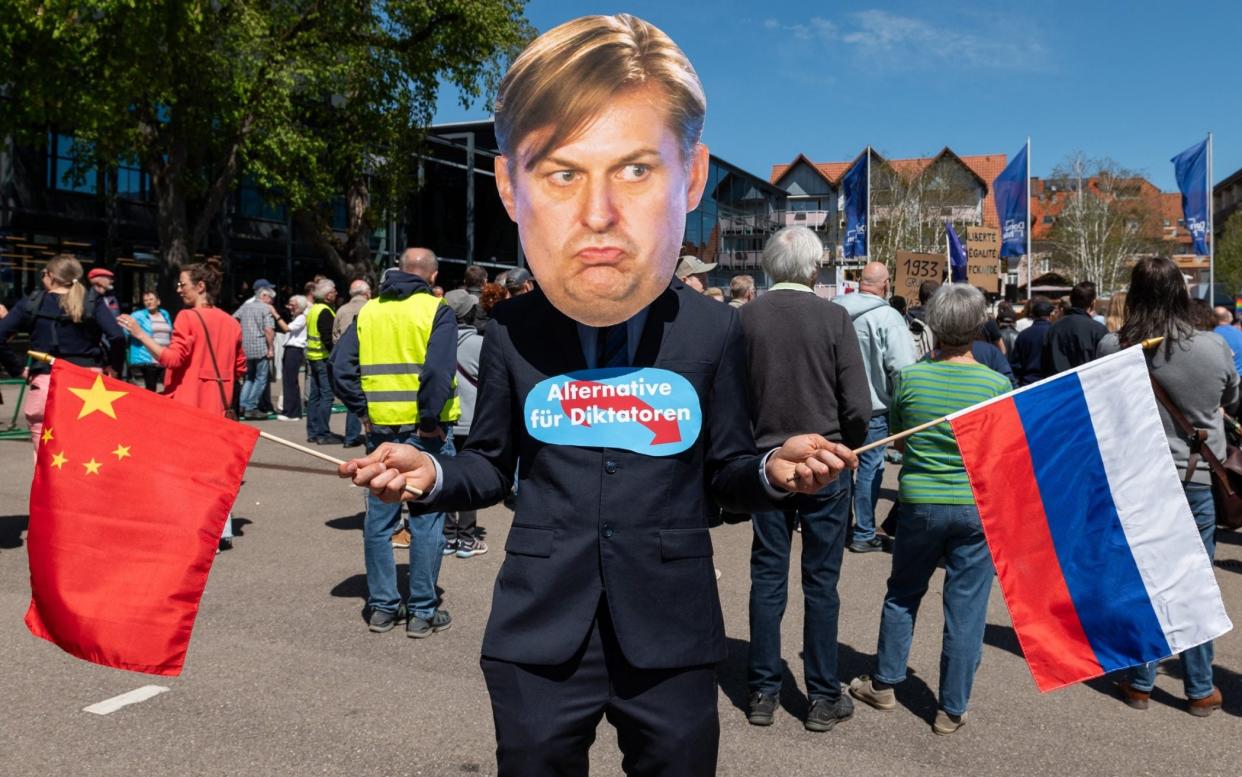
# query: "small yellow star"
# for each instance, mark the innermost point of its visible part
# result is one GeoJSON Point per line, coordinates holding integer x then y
{"type": "Point", "coordinates": [47, 434]}
{"type": "Point", "coordinates": [97, 397]}
{"type": "Point", "coordinates": [59, 461]}
{"type": "Point", "coordinates": [92, 467]}
{"type": "Point", "coordinates": [121, 452]}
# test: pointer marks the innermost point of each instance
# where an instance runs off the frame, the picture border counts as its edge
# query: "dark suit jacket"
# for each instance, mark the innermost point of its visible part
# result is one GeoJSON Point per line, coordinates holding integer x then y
{"type": "Point", "coordinates": [592, 520]}
{"type": "Point", "coordinates": [1071, 341]}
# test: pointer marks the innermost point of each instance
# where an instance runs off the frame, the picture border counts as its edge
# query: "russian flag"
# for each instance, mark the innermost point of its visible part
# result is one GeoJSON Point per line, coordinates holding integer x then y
{"type": "Point", "coordinates": [1095, 547]}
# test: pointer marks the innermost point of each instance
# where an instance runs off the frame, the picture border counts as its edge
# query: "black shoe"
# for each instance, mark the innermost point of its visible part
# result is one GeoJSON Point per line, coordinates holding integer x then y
{"type": "Point", "coordinates": [762, 706]}
{"type": "Point", "coordinates": [867, 546]}
{"type": "Point", "coordinates": [314, 440]}
{"type": "Point", "coordinates": [226, 543]}
{"type": "Point", "coordinates": [330, 439]}
{"type": "Point", "coordinates": [825, 714]}
{"type": "Point", "coordinates": [382, 620]}
{"type": "Point", "coordinates": [417, 628]}
{"type": "Point", "coordinates": [255, 415]}
{"type": "Point", "coordinates": [354, 443]}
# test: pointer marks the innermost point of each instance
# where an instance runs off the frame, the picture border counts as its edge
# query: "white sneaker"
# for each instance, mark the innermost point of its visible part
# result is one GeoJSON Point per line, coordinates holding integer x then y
{"type": "Point", "coordinates": [286, 418]}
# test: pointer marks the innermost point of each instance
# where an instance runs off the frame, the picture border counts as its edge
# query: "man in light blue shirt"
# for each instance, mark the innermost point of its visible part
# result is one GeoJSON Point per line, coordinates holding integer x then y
{"type": "Point", "coordinates": [887, 347]}
{"type": "Point", "coordinates": [1232, 335]}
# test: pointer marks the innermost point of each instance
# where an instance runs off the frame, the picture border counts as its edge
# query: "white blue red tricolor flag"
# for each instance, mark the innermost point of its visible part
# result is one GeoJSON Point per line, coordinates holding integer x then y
{"type": "Point", "coordinates": [1096, 550]}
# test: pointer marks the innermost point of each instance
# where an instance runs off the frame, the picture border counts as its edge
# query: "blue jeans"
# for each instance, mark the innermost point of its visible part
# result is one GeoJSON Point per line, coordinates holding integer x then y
{"type": "Point", "coordinates": [1197, 661]}
{"type": "Point", "coordinates": [254, 383]}
{"type": "Point", "coordinates": [426, 538]}
{"type": "Point", "coordinates": [925, 534]}
{"type": "Point", "coordinates": [353, 428]}
{"type": "Point", "coordinates": [318, 399]}
{"type": "Point", "coordinates": [824, 518]}
{"type": "Point", "coordinates": [867, 480]}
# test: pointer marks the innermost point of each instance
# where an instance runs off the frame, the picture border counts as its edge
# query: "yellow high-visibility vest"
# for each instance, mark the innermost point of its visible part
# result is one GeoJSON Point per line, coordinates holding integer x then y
{"type": "Point", "coordinates": [392, 346]}
{"type": "Point", "coordinates": [316, 349]}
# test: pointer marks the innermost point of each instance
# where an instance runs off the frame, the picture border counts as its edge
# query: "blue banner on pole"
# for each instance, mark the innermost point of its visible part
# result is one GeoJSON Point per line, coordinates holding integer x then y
{"type": "Point", "coordinates": [1013, 205]}
{"type": "Point", "coordinates": [1190, 167]}
{"type": "Point", "coordinates": [854, 187]}
{"type": "Point", "coordinates": [957, 255]}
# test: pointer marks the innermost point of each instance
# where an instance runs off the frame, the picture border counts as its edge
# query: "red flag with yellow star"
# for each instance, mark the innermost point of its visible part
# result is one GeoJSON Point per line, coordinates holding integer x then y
{"type": "Point", "coordinates": [130, 494]}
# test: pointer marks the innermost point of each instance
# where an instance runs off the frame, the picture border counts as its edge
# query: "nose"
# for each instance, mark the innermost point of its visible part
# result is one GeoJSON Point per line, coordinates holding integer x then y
{"type": "Point", "coordinates": [599, 212]}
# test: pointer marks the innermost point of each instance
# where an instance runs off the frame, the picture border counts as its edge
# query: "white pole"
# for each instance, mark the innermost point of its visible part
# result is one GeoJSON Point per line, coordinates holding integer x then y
{"type": "Point", "coordinates": [868, 202]}
{"type": "Point", "coordinates": [1030, 260]}
{"type": "Point", "coordinates": [1210, 236]}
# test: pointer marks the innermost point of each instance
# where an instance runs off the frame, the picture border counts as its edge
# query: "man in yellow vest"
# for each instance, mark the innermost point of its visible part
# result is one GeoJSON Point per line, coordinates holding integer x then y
{"type": "Point", "coordinates": [319, 321]}
{"type": "Point", "coordinates": [395, 368]}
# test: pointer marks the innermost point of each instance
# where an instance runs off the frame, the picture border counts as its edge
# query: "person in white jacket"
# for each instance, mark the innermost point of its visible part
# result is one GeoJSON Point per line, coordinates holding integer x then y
{"type": "Point", "coordinates": [887, 347]}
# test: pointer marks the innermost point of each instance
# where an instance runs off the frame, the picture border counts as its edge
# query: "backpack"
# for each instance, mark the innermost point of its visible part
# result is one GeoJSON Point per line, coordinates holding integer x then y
{"type": "Point", "coordinates": [34, 312]}
{"type": "Point", "coordinates": [924, 343]}
{"type": "Point", "coordinates": [1009, 336]}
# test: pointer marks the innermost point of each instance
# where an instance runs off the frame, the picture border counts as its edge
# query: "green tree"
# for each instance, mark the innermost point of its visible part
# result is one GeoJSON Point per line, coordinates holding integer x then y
{"type": "Point", "coordinates": [310, 97]}
{"type": "Point", "coordinates": [1229, 254]}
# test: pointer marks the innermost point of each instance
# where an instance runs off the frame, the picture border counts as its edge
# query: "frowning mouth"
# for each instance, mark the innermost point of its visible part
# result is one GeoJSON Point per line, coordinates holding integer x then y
{"type": "Point", "coordinates": [601, 255]}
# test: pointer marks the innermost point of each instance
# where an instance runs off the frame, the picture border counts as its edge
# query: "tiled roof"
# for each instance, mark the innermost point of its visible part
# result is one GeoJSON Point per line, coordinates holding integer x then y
{"type": "Point", "coordinates": [986, 167]}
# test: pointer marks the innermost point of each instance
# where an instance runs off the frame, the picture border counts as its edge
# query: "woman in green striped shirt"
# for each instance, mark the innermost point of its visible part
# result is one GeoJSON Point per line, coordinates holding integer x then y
{"type": "Point", "coordinates": [937, 516]}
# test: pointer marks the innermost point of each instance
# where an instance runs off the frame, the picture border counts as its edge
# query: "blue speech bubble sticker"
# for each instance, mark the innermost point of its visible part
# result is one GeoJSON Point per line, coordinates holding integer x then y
{"type": "Point", "coordinates": [650, 411]}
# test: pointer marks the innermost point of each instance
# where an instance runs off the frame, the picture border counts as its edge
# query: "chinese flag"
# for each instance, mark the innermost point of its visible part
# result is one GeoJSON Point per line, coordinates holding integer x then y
{"type": "Point", "coordinates": [130, 494]}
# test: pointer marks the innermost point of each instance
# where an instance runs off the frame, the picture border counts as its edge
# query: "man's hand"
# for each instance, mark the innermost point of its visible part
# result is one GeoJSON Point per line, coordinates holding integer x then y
{"type": "Point", "coordinates": [389, 469]}
{"type": "Point", "coordinates": [807, 463]}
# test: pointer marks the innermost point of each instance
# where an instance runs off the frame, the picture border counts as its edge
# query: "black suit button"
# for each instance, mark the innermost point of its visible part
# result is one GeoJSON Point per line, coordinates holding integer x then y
{"type": "Point", "coordinates": [610, 466]}
{"type": "Point", "coordinates": [608, 531]}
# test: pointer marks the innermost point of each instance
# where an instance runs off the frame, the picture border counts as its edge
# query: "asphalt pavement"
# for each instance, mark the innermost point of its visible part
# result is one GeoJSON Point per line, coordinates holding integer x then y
{"type": "Point", "coordinates": [283, 677]}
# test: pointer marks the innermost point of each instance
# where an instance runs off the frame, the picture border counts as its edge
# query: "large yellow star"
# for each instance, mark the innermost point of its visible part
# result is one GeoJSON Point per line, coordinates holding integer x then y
{"type": "Point", "coordinates": [59, 461]}
{"type": "Point", "coordinates": [97, 397]}
{"type": "Point", "coordinates": [47, 434]}
{"type": "Point", "coordinates": [92, 467]}
{"type": "Point", "coordinates": [121, 452]}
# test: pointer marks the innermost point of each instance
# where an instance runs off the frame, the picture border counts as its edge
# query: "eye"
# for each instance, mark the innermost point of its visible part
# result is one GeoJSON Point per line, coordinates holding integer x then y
{"type": "Point", "coordinates": [635, 172]}
{"type": "Point", "coordinates": [563, 177]}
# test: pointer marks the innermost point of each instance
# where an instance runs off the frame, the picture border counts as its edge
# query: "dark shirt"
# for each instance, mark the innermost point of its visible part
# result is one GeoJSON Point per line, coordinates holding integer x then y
{"type": "Point", "coordinates": [991, 332]}
{"type": "Point", "coordinates": [1071, 341]}
{"type": "Point", "coordinates": [324, 325]}
{"type": "Point", "coordinates": [52, 332]}
{"type": "Point", "coordinates": [806, 369]}
{"type": "Point", "coordinates": [1028, 353]}
{"type": "Point", "coordinates": [991, 357]}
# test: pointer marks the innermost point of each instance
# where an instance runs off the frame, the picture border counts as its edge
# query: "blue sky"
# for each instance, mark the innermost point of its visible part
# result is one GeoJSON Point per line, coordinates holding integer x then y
{"type": "Point", "coordinates": [1112, 79]}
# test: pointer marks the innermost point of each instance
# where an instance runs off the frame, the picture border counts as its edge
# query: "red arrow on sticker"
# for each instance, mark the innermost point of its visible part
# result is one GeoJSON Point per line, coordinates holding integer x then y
{"type": "Point", "coordinates": [665, 430]}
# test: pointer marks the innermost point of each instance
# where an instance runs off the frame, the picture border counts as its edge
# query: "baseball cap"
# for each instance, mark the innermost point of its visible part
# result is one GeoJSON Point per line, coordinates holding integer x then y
{"type": "Point", "coordinates": [691, 265]}
{"type": "Point", "coordinates": [461, 302]}
{"type": "Point", "coordinates": [516, 277]}
{"type": "Point", "coordinates": [263, 283]}
{"type": "Point", "coordinates": [99, 272]}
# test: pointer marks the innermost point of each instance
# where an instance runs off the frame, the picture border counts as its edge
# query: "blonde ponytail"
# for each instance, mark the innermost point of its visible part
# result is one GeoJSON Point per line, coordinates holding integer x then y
{"type": "Point", "coordinates": [66, 271]}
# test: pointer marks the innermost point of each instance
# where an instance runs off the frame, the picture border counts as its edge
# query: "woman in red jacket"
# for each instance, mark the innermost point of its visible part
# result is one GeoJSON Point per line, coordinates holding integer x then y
{"type": "Point", "coordinates": [205, 355]}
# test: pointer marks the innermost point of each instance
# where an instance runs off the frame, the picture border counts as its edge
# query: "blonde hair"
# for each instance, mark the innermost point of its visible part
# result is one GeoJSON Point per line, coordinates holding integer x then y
{"type": "Point", "coordinates": [67, 271]}
{"type": "Point", "coordinates": [1116, 312]}
{"type": "Point", "coordinates": [567, 75]}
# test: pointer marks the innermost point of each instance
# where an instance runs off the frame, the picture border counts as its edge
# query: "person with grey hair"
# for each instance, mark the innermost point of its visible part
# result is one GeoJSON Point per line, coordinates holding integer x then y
{"type": "Point", "coordinates": [319, 321]}
{"type": "Point", "coordinates": [359, 293]}
{"type": "Point", "coordinates": [936, 517]}
{"type": "Point", "coordinates": [741, 290]}
{"type": "Point", "coordinates": [291, 359]}
{"type": "Point", "coordinates": [887, 348]}
{"type": "Point", "coordinates": [806, 375]}
{"type": "Point", "coordinates": [258, 325]}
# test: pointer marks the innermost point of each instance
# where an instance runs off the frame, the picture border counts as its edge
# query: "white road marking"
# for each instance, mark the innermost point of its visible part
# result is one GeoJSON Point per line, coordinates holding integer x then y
{"type": "Point", "coordinates": [131, 697]}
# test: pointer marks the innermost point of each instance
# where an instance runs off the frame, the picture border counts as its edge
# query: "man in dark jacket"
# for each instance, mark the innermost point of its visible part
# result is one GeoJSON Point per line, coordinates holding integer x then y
{"type": "Point", "coordinates": [1072, 340]}
{"type": "Point", "coordinates": [806, 374]}
{"type": "Point", "coordinates": [1028, 350]}
{"type": "Point", "coordinates": [622, 393]}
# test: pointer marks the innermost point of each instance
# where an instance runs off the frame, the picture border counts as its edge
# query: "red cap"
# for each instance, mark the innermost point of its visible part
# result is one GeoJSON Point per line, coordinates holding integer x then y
{"type": "Point", "coordinates": [99, 272]}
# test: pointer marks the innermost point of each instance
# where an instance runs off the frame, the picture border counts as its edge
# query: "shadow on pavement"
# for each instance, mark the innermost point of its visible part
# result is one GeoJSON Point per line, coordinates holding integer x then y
{"type": "Point", "coordinates": [1003, 637]}
{"type": "Point", "coordinates": [239, 525]}
{"type": "Point", "coordinates": [913, 694]}
{"type": "Point", "coordinates": [1228, 681]}
{"type": "Point", "coordinates": [355, 587]}
{"type": "Point", "coordinates": [346, 522]}
{"type": "Point", "coordinates": [11, 528]}
{"type": "Point", "coordinates": [1228, 537]}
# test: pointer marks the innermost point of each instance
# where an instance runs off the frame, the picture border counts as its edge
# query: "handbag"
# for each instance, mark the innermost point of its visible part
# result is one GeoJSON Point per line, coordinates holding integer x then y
{"type": "Point", "coordinates": [1226, 475]}
{"type": "Point", "coordinates": [229, 412]}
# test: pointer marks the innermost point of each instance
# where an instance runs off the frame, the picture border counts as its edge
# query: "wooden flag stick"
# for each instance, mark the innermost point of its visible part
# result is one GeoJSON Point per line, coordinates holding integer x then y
{"type": "Point", "coordinates": [1147, 344]}
{"type": "Point", "coordinates": [319, 455]}
{"type": "Point", "coordinates": [46, 357]}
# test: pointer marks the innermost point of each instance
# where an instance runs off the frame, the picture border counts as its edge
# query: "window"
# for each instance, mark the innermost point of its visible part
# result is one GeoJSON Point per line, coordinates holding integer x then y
{"type": "Point", "coordinates": [1047, 219]}
{"type": "Point", "coordinates": [254, 204]}
{"type": "Point", "coordinates": [131, 182]}
{"type": "Point", "coordinates": [63, 152]}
